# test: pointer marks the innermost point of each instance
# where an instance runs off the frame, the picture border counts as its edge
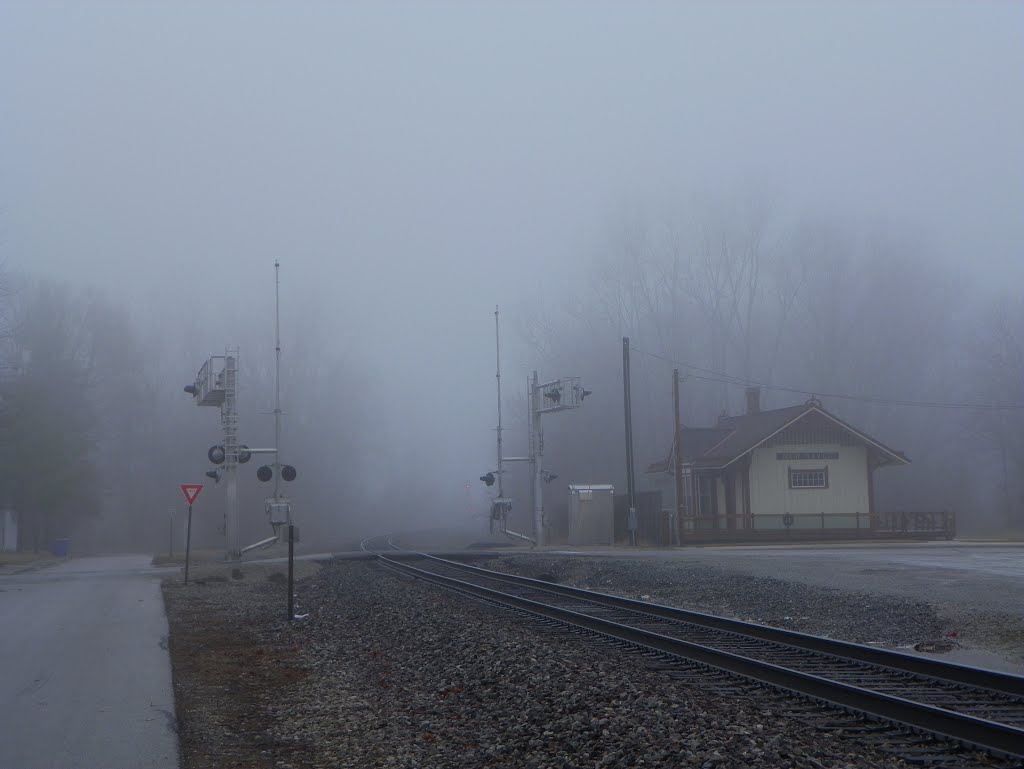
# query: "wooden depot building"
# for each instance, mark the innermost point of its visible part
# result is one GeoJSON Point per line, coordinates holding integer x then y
{"type": "Point", "coordinates": [798, 472]}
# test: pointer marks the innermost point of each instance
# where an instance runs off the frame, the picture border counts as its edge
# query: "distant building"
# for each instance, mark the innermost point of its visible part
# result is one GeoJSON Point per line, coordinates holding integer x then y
{"type": "Point", "coordinates": [785, 470]}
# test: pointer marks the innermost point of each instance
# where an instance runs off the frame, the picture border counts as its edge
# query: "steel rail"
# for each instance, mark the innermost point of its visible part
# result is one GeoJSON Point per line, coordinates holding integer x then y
{"type": "Point", "coordinates": [939, 670]}
{"type": "Point", "coordinates": [969, 730]}
{"type": "Point", "coordinates": [364, 545]}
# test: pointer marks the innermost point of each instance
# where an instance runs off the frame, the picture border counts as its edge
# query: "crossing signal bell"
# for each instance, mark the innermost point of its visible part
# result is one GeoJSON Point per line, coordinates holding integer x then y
{"type": "Point", "coordinates": [488, 479]}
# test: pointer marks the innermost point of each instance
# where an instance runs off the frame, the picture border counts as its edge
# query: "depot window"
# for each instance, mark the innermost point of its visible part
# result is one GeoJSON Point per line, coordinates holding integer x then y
{"type": "Point", "coordinates": [808, 479]}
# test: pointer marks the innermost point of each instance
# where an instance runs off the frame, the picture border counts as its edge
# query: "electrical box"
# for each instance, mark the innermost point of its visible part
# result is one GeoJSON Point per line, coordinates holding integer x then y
{"type": "Point", "coordinates": [501, 507]}
{"type": "Point", "coordinates": [209, 384]}
{"type": "Point", "coordinates": [592, 514]}
{"type": "Point", "coordinates": [279, 511]}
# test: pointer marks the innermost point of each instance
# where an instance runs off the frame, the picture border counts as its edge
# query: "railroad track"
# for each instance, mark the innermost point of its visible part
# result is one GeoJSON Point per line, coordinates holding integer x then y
{"type": "Point", "coordinates": [972, 707]}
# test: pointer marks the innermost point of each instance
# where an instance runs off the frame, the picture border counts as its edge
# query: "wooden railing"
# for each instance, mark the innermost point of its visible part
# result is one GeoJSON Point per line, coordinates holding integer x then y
{"type": "Point", "coordinates": [909, 522]}
{"type": "Point", "coordinates": [900, 523]}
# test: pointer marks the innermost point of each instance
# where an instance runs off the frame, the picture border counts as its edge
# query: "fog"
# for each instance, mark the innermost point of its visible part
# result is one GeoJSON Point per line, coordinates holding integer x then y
{"type": "Point", "coordinates": [412, 166]}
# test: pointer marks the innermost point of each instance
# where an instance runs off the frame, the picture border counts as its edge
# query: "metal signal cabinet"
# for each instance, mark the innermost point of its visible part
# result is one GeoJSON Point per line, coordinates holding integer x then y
{"type": "Point", "coordinates": [592, 514]}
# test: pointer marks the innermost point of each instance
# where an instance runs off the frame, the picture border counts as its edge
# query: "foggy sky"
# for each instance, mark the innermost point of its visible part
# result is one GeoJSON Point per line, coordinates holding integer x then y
{"type": "Point", "coordinates": [414, 165]}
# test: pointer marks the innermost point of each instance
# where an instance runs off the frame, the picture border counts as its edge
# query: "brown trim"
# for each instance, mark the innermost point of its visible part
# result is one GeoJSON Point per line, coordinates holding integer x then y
{"type": "Point", "coordinates": [729, 479]}
{"type": "Point", "coordinates": [871, 492]}
{"type": "Point", "coordinates": [711, 481]}
{"type": "Point", "coordinates": [713, 478]}
{"type": "Point", "coordinates": [677, 445]}
{"type": "Point", "coordinates": [898, 457]}
{"type": "Point", "coordinates": [747, 513]}
{"type": "Point", "coordinates": [732, 432]}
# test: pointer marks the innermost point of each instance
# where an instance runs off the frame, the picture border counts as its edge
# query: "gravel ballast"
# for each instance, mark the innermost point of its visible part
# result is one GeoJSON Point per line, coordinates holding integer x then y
{"type": "Point", "coordinates": [393, 673]}
{"type": "Point", "coordinates": [850, 616]}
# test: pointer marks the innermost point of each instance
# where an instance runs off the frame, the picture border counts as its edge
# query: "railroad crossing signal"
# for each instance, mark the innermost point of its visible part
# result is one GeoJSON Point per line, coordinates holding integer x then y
{"type": "Point", "coordinates": [266, 472]}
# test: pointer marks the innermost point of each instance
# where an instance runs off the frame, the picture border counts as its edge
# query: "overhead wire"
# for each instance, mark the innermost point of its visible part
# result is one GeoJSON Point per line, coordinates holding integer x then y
{"type": "Point", "coordinates": [710, 375]}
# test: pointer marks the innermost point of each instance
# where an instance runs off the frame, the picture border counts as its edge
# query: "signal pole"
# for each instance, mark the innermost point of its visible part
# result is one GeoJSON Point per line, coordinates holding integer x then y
{"type": "Point", "coordinates": [229, 416]}
{"type": "Point", "coordinates": [628, 408]}
{"type": "Point", "coordinates": [277, 381]}
{"type": "Point", "coordinates": [217, 385]}
{"type": "Point", "coordinates": [538, 462]}
{"type": "Point", "coordinates": [565, 393]}
{"type": "Point", "coordinates": [497, 376]}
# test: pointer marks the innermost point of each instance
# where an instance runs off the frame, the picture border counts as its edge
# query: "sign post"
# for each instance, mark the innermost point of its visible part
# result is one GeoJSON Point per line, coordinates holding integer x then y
{"type": "Point", "coordinates": [291, 572]}
{"type": "Point", "coordinates": [191, 492]}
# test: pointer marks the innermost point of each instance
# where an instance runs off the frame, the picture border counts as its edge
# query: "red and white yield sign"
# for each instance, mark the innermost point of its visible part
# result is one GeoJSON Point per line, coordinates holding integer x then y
{"type": "Point", "coordinates": [191, 492]}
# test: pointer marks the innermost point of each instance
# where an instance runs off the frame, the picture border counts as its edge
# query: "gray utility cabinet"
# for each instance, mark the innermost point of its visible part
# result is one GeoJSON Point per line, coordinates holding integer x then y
{"type": "Point", "coordinates": [592, 514]}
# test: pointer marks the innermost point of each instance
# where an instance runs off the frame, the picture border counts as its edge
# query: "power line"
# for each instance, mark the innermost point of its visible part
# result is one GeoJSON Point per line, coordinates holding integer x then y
{"type": "Point", "coordinates": [709, 375]}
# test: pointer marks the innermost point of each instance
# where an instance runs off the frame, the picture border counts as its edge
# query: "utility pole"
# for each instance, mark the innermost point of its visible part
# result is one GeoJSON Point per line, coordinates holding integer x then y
{"type": "Point", "coordinates": [628, 408]}
{"type": "Point", "coordinates": [538, 462]}
{"type": "Point", "coordinates": [500, 506]}
{"type": "Point", "coordinates": [497, 376]}
{"type": "Point", "coordinates": [277, 384]}
{"type": "Point", "coordinates": [677, 455]}
{"type": "Point", "coordinates": [531, 437]}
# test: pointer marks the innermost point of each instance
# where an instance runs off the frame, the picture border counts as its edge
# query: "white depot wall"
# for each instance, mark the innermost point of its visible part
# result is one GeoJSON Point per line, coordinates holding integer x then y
{"type": "Point", "coordinates": [847, 491]}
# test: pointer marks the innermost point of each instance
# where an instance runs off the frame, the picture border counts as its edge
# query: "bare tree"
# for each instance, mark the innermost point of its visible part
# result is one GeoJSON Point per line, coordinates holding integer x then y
{"type": "Point", "coordinates": [1000, 360]}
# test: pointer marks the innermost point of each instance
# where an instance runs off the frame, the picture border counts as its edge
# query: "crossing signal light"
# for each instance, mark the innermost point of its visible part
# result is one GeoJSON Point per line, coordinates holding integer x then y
{"type": "Point", "coordinates": [488, 479]}
{"type": "Point", "coordinates": [192, 390]}
{"type": "Point", "coordinates": [555, 394]}
{"type": "Point", "coordinates": [217, 454]}
{"type": "Point", "coordinates": [266, 472]}
{"type": "Point", "coordinates": [213, 474]}
{"type": "Point", "coordinates": [584, 394]}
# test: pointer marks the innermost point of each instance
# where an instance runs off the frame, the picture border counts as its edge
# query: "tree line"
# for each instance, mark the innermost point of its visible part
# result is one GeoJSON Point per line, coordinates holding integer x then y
{"type": "Point", "coordinates": [731, 294]}
{"type": "Point", "coordinates": [96, 432]}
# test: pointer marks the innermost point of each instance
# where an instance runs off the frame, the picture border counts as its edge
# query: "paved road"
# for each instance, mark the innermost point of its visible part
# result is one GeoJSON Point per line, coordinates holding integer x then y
{"type": "Point", "coordinates": [85, 678]}
{"type": "Point", "coordinates": [982, 575]}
